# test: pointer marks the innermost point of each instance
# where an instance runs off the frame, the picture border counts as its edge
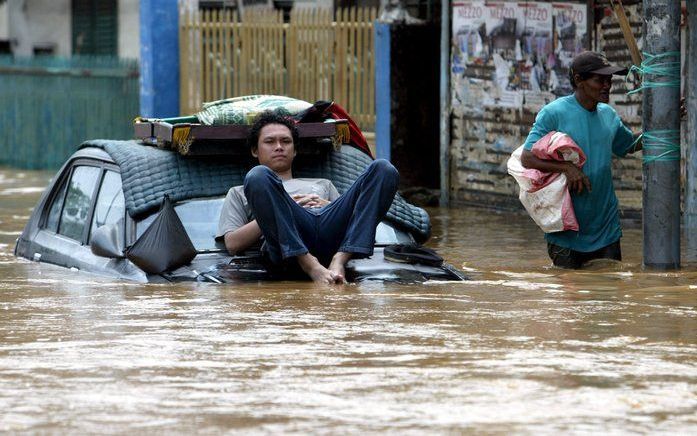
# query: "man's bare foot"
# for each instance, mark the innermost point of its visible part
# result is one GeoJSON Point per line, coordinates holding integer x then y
{"type": "Point", "coordinates": [338, 265]}
{"type": "Point", "coordinates": [316, 271]}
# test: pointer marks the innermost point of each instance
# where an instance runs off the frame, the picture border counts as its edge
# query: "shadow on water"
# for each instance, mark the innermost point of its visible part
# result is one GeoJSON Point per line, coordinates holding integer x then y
{"type": "Point", "coordinates": [521, 347]}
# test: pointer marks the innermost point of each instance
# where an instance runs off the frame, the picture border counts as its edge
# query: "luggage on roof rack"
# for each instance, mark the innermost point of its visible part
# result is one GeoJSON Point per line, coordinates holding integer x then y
{"type": "Point", "coordinates": [194, 139]}
{"type": "Point", "coordinates": [222, 127]}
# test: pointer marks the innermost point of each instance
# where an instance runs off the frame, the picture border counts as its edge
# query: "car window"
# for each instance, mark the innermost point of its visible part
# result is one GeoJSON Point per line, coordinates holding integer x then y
{"type": "Point", "coordinates": [78, 201]}
{"type": "Point", "coordinates": [200, 219]}
{"type": "Point", "coordinates": [111, 206]}
{"type": "Point", "coordinates": [385, 234]}
{"type": "Point", "coordinates": [55, 211]}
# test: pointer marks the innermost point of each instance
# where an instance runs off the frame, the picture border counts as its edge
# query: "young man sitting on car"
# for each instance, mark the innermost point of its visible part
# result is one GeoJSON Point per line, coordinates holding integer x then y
{"type": "Point", "coordinates": [305, 222]}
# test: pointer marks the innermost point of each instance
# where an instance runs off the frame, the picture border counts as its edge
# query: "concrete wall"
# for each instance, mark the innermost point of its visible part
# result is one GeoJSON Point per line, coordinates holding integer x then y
{"type": "Point", "coordinates": [49, 23]}
{"type": "Point", "coordinates": [4, 22]}
{"type": "Point", "coordinates": [484, 135]}
{"type": "Point", "coordinates": [32, 23]}
{"type": "Point", "coordinates": [129, 29]}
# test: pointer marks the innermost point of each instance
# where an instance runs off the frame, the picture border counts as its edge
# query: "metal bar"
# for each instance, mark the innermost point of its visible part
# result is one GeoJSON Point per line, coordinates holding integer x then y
{"type": "Point", "coordinates": [69, 72]}
{"type": "Point", "coordinates": [661, 193]}
{"type": "Point", "coordinates": [445, 104]}
{"type": "Point", "coordinates": [383, 105]}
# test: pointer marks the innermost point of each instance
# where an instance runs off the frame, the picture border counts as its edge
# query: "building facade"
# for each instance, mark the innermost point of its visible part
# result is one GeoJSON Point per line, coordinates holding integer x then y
{"type": "Point", "coordinates": [70, 27]}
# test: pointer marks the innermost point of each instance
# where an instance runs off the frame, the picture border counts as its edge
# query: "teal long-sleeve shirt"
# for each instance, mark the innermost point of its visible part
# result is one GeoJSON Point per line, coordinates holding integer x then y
{"type": "Point", "coordinates": [599, 133]}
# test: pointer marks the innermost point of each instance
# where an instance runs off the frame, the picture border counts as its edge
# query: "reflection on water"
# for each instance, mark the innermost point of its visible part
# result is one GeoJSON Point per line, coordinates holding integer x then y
{"type": "Point", "coordinates": [522, 347]}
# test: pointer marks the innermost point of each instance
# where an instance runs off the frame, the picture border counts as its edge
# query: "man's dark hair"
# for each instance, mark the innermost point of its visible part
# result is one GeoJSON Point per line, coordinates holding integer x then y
{"type": "Point", "coordinates": [269, 117]}
{"type": "Point", "coordinates": [583, 76]}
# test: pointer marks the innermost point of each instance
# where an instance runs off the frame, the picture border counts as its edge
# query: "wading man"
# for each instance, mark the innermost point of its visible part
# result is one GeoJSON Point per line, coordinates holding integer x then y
{"type": "Point", "coordinates": [597, 129]}
{"type": "Point", "coordinates": [305, 223]}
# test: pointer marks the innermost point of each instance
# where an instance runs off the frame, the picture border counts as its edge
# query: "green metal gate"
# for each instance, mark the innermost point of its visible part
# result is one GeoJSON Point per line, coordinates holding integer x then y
{"type": "Point", "coordinates": [48, 106]}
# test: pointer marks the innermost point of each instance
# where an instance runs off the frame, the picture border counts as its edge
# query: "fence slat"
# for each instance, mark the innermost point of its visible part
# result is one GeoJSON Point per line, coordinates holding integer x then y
{"type": "Point", "coordinates": [236, 70]}
{"type": "Point", "coordinates": [339, 58]}
{"type": "Point", "coordinates": [215, 53]}
{"type": "Point", "coordinates": [228, 60]}
{"type": "Point", "coordinates": [318, 54]}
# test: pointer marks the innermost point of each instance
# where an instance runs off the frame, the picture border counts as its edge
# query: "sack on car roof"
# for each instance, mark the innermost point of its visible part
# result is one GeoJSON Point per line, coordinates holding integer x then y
{"type": "Point", "coordinates": [164, 245]}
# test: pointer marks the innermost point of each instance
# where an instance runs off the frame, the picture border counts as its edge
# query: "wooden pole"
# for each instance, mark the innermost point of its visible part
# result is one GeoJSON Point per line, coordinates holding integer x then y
{"type": "Point", "coordinates": [626, 31]}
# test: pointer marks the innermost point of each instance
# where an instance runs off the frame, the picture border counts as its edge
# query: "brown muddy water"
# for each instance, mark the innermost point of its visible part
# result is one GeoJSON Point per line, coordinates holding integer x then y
{"type": "Point", "coordinates": [522, 347]}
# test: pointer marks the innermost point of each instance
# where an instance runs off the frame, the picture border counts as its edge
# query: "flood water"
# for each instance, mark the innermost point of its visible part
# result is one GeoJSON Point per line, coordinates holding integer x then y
{"type": "Point", "coordinates": [522, 347]}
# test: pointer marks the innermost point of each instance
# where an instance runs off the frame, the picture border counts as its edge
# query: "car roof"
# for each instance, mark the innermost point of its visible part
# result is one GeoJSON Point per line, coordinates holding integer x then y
{"type": "Point", "coordinates": [92, 153]}
{"type": "Point", "coordinates": [149, 173]}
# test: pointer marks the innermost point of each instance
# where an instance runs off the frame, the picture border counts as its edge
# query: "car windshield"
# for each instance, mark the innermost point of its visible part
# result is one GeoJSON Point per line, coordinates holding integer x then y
{"type": "Point", "coordinates": [200, 219]}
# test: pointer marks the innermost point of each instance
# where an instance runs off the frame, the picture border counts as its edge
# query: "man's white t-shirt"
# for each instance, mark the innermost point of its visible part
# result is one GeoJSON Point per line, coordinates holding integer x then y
{"type": "Point", "coordinates": [236, 211]}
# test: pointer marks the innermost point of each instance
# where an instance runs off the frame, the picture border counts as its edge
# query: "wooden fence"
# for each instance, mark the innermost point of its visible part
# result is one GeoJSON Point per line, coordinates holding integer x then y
{"type": "Point", "coordinates": [313, 57]}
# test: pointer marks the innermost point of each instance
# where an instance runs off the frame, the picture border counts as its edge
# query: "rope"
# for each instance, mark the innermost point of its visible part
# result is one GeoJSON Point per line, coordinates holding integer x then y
{"type": "Point", "coordinates": [667, 73]}
{"type": "Point", "coordinates": [664, 144]}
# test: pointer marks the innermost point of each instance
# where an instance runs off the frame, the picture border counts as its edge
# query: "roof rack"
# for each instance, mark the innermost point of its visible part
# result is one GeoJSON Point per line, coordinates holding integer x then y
{"type": "Point", "coordinates": [194, 139]}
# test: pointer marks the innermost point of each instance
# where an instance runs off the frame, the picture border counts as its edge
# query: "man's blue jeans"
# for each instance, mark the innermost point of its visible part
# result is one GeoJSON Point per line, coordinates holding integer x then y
{"type": "Point", "coordinates": [347, 224]}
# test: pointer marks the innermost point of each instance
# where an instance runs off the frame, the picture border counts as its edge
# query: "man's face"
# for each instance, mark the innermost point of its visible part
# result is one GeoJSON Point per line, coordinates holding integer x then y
{"type": "Point", "coordinates": [597, 87]}
{"type": "Point", "coordinates": [275, 148]}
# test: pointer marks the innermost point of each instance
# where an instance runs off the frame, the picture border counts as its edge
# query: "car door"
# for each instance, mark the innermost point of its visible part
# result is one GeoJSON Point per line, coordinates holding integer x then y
{"type": "Point", "coordinates": [61, 236]}
{"type": "Point", "coordinates": [89, 196]}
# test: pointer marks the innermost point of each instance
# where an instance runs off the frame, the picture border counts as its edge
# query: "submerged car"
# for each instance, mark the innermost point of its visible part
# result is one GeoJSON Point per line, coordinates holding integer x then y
{"type": "Point", "coordinates": [109, 192]}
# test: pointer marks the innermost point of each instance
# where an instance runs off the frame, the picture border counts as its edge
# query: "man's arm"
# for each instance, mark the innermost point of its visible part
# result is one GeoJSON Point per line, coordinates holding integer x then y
{"type": "Point", "coordinates": [546, 122]}
{"type": "Point", "coordinates": [236, 226]}
{"type": "Point", "coordinates": [575, 179]}
{"type": "Point", "coordinates": [638, 144]}
{"type": "Point", "coordinates": [242, 238]}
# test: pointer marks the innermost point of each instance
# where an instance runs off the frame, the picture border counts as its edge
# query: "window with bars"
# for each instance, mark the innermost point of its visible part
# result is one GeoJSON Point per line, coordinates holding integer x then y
{"type": "Point", "coordinates": [95, 27]}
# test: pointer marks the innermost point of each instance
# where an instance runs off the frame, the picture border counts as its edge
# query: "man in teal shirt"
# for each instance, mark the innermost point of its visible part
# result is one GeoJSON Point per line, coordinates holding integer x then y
{"type": "Point", "coordinates": [595, 127]}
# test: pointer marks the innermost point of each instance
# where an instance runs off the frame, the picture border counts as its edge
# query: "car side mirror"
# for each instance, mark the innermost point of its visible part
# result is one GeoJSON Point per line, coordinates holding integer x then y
{"type": "Point", "coordinates": [107, 241]}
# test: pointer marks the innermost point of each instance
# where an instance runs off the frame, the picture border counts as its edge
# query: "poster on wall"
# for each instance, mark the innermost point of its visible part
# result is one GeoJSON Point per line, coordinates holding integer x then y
{"type": "Point", "coordinates": [501, 29]}
{"type": "Point", "coordinates": [468, 47]}
{"type": "Point", "coordinates": [535, 20]}
{"type": "Point", "coordinates": [469, 33]}
{"type": "Point", "coordinates": [571, 34]}
{"type": "Point", "coordinates": [517, 39]}
{"type": "Point", "coordinates": [520, 36]}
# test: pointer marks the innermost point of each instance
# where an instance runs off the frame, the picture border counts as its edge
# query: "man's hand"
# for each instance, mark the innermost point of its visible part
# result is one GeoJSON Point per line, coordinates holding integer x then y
{"type": "Point", "coordinates": [310, 200]}
{"type": "Point", "coordinates": [576, 180]}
